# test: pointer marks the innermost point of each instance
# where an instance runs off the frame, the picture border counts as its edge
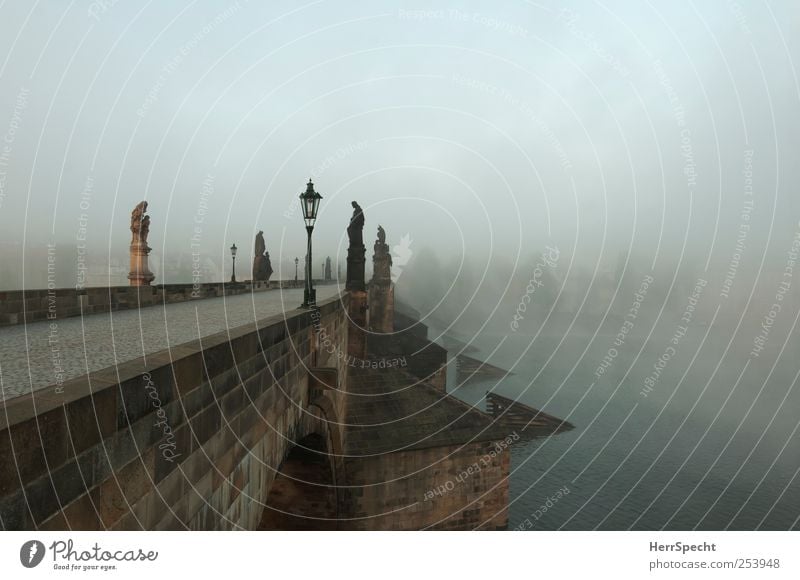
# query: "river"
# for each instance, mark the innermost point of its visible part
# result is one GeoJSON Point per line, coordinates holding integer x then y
{"type": "Point", "coordinates": [712, 443]}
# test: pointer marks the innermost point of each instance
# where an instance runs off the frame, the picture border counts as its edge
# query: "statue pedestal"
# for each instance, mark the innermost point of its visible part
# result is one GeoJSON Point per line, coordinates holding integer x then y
{"type": "Point", "coordinates": [357, 324]}
{"type": "Point", "coordinates": [381, 292]}
{"type": "Point", "coordinates": [356, 258]}
{"type": "Point", "coordinates": [140, 274]}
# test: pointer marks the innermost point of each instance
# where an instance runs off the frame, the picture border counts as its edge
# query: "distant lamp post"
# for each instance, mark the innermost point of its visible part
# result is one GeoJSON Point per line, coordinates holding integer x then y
{"type": "Point", "coordinates": [233, 271]}
{"type": "Point", "coordinates": [296, 262]}
{"type": "Point", "coordinates": [309, 202]}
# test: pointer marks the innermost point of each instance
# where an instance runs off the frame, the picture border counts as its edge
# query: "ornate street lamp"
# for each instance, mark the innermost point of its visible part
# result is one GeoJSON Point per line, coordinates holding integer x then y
{"type": "Point", "coordinates": [309, 202]}
{"type": "Point", "coordinates": [296, 261]}
{"type": "Point", "coordinates": [233, 272]}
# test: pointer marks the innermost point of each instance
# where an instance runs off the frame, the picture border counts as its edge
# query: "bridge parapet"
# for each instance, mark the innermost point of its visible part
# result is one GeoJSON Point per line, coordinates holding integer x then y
{"type": "Point", "coordinates": [26, 306]}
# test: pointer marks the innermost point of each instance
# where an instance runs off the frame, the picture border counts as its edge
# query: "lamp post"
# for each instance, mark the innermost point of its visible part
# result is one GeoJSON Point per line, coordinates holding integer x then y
{"type": "Point", "coordinates": [309, 202]}
{"type": "Point", "coordinates": [233, 271]}
{"type": "Point", "coordinates": [296, 261]}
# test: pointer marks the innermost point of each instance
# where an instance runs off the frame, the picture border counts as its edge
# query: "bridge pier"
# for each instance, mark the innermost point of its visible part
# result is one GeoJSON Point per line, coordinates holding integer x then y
{"type": "Point", "coordinates": [303, 494]}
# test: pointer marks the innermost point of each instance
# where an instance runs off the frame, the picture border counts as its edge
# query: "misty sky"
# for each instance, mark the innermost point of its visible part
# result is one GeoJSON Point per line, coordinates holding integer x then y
{"type": "Point", "coordinates": [485, 130]}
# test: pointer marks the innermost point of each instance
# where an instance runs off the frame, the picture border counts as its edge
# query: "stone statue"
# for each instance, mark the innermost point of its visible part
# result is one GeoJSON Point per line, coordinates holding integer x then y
{"type": "Point", "coordinates": [144, 231]}
{"type": "Point", "coordinates": [328, 268]}
{"type": "Point", "coordinates": [262, 267]}
{"type": "Point", "coordinates": [356, 253]}
{"type": "Point", "coordinates": [382, 258]}
{"type": "Point", "coordinates": [140, 274]}
{"type": "Point", "coordinates": [261, 247]}
{"type": "Point", "coordinates": [140, 223]}
{"type": "Point", "coordinates": [267, 266]}
{"type": "Point", "coordinates": [354, 230]}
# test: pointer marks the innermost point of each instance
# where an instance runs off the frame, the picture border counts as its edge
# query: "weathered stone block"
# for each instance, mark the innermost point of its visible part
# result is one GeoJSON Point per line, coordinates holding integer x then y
{"type": "Point", "coordinates": [39, 444]}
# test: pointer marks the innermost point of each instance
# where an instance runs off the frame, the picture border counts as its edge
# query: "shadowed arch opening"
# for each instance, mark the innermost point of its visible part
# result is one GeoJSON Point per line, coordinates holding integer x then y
{"type": "Point", "coordinates": [303, 491]}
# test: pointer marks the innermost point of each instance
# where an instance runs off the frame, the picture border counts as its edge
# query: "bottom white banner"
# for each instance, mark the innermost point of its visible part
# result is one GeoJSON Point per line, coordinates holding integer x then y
{"type": "Point", "coordinates": [355, 555]}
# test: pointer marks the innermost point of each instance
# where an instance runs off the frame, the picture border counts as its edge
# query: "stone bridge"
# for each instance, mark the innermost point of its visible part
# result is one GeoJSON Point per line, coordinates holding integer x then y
{"type": "Point", "coordinates": [302, 419]}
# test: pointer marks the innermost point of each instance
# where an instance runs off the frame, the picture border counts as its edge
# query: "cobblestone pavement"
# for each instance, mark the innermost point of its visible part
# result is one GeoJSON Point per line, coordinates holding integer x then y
{"type": "Point", "coordinates": [98, 341]}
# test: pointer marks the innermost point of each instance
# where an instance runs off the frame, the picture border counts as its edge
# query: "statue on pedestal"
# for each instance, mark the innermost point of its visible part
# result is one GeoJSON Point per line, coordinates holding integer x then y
{"type": "Point", "coordinates": [382, 258]}
{"type": "Point", "coordinates": [354, 230]}
{"type": "Point", "coordinates": [261, 246]}
{"type": "Point", "coordinates": [262, 267]}
{"type": "Point", "coordinates": [381, 293]}
{"type": "Point", "coordinates": [140, 274]}
{"type": "Point", "coordinates": [356, 253]}
{"type": "Point", "coordinates": [140, 224]}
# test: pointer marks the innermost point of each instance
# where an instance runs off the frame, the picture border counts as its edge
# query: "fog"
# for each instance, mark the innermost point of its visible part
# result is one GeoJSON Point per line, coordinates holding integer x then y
{"type": "Point", "coordinates": [632, 139]}
{"type": "Point", "coordinates": [482, 133]}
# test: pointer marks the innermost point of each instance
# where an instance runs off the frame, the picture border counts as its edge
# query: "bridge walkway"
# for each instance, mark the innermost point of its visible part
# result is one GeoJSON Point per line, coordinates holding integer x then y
{"type": "Point", "coordinates": [45, 353]}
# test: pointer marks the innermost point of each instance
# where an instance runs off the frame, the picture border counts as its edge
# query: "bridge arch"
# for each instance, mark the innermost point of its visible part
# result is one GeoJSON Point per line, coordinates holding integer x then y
{"type": "Point", "coordinates": [303, 494]}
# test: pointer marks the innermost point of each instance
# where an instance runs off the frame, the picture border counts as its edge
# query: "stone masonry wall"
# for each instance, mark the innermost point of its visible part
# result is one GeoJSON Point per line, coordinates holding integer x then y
{"type": "Point", "coordinates": [381, 308]}
{"type": "Point", "coordinates": [424, 359]}
{"type": "Point", "coordinates": [438, 488]}
{"type": "Point", "coordinates": [188, 438]}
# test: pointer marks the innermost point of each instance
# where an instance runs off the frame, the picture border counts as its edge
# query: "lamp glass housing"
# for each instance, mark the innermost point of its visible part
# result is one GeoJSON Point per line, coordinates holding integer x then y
{"type": "Point", "coordinates": [309, 203]}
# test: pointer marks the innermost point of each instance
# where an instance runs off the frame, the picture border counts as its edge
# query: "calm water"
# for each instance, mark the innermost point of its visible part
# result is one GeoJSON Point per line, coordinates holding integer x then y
{"type": "Point", "coordinates": [700, 451]}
